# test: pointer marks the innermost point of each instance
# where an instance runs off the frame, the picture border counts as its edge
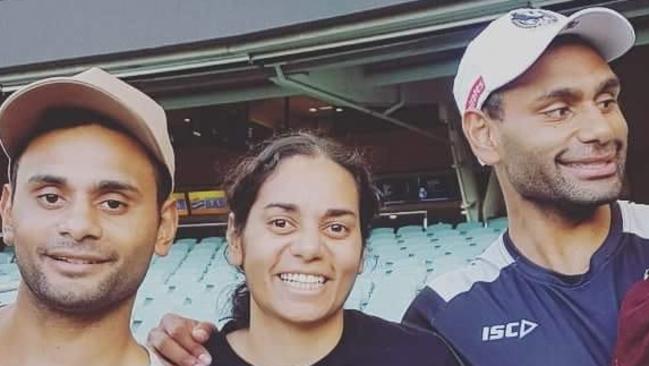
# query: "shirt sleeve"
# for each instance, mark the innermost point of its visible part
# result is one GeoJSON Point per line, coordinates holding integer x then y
{"type": "Point", "coordinates": [421, 314]}
{"type": "Point", "coordinates": [422, 311]}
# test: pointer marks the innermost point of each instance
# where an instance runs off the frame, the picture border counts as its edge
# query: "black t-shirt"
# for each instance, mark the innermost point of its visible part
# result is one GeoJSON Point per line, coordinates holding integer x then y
{"type": "Point", "coordinates": [366, 340]}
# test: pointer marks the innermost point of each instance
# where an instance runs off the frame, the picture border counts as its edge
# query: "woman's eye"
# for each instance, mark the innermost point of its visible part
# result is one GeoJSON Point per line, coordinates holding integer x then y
{"type": "Point", "coordinates": [280, 223]}
{"type": "Point", "coordinates": [280, 226]}
{"type": "Point", "coordinates": [337, 228]}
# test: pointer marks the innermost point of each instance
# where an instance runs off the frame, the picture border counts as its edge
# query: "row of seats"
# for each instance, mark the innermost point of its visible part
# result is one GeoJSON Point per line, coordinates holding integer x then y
{"type": "Point", "coordinates": [402, 261]}
{"type": "Point", "coordinates": [442, 229]}
{"type": "Point", "coordinates": [9, 276]}
{"type": "Point", "coordinates": [195, 280]}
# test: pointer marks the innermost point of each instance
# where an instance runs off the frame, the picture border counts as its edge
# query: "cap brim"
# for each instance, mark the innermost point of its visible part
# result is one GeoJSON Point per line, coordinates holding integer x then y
{"type": "Point", "coordinates": [605, 29]}
{"type": "Point", "coordinates": [22, 111]}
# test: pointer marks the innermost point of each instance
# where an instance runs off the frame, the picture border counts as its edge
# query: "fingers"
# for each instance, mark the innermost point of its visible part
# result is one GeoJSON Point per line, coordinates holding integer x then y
{"type": "Point", "coordinates": [202, 331]}
{"type": "Point", "coordinates": [178, 340]}
{"type": "Point", "coordinates": [170, 352]}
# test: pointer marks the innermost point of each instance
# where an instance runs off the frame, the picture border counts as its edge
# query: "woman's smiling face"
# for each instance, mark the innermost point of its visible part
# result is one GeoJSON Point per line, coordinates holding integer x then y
{"type": "Point", "coordinates": [301, 246]}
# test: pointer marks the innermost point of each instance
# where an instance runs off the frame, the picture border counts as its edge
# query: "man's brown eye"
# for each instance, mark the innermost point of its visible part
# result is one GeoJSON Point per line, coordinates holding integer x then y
{"type": "Point", "coordinates": [113, 204]}
{"type": "Point", "coordinates": [49, 198]}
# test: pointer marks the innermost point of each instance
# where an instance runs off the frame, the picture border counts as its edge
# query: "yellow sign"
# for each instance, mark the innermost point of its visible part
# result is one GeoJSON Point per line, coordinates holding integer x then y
{"type": "Point", "coordinates": [208, 202]}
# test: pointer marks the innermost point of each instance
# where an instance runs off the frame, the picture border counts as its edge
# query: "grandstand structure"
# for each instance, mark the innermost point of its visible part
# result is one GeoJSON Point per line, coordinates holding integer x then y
{"type": "Point", "coordinates": [374, 74]}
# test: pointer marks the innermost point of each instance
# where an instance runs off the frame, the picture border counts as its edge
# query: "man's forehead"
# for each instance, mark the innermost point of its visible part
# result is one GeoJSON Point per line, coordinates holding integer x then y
{"type": "Point", "coordinates": [87, 153]}
{"type": "Point", "coordinates": [91, 141]}
{"type": "Point", "coordinates": [555, 68]}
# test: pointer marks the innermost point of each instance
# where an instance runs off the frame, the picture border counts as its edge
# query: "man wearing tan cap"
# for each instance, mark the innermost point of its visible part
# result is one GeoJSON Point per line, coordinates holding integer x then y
{"type": "Point", "coordinates": [87, 204]}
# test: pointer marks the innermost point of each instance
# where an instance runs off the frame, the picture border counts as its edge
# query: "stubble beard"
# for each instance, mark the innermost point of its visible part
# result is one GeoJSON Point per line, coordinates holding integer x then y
{"type": "Point", "coordinates": [113, 289]}
{"type": "Point", "coordinates": [547, 187]}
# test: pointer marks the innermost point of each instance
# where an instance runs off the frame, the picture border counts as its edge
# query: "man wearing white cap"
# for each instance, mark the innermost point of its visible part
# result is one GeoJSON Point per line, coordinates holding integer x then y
{"type": "Point", "coordinates": [88, 202]}
{"type": "Point", "coordinates": [539, 103]}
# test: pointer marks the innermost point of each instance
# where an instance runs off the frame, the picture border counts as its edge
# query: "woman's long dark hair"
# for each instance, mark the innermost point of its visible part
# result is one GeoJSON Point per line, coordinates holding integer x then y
{"type": "Point", "coordinates": [245, 180]}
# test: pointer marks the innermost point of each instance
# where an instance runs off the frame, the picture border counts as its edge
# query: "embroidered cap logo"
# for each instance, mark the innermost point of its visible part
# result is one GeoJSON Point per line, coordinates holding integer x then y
{"type": "Point", "coordinates": [532, 18]}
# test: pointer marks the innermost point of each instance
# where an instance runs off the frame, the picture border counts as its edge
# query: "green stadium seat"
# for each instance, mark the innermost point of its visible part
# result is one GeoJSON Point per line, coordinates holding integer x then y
{"type": "Point", "coordinates": [393, 292]}
{"type": "Point", "coordinates": [382, 241]}
{"type": "Point", "coordinates": [382, 230]}
{"type": "Point", "coordinates": [6, 257]}
{"type": "Point", "coordinates": [438, 226]}
{"type": "Point", "coordinates": [360, 294]}
{"type": "Point", "coordinates": [212, 239]}
{"type": "Point", "coordinates": [467, 226]}
{"type": "Point", "coordinates": [410, 229]}
{"type": "Point", "coordinates": [498, 223]}
{"type": "Point", "coordinates": [381, 236]}
{"type": "Point", "coordinates": [444, 233]}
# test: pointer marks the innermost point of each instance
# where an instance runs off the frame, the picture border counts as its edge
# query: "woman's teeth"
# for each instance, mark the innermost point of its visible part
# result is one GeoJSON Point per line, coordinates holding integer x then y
{"type": "Point", "coordinates": [302, 281]}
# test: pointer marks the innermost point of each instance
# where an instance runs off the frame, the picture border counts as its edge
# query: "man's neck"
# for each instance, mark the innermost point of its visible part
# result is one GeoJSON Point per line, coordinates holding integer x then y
{"type": "Point", "coordinates": [273, 342]}
{"type": "Point", "coordinates": [33, 334]}
{"type": "Point", "coordinates": [557, 238]}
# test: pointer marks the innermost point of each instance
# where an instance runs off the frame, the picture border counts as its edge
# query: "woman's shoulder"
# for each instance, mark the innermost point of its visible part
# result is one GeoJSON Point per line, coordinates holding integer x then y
{"type": "Point", "coordinates": [381, 328]}
{"type": "Point", "coordinates": [220, 350]}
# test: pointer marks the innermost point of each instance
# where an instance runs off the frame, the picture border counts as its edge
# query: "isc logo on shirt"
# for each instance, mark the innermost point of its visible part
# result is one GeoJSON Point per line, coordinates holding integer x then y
{"type": "Point", "coordinates": [510, 330]}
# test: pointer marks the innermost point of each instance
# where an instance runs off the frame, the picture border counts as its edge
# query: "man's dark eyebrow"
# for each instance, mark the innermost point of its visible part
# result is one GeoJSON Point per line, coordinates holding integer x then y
{"type": "Point", "coordinates": [562, 93]}
{"type": "Point", "coordinates": [571, 94]}
{"type": "Point", "coordinates": [47, 179]}
{"type": "Point", "coordinates": [113, 185]}
{"type": "Point", "coordinates": [104, 185]}
{"type": "Point", "coordinates": [609, 85]}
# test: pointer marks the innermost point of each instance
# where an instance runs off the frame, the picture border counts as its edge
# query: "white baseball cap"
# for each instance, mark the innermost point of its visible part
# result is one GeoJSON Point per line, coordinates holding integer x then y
{"type": "Point", "coordinates": [94, 90]}
{"type": "Point", "coordinates": [509, 45]}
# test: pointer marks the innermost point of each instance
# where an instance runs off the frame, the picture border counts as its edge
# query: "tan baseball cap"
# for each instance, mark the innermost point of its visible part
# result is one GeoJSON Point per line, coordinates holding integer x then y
{"type": "Point", "coordinates": [94, 90]}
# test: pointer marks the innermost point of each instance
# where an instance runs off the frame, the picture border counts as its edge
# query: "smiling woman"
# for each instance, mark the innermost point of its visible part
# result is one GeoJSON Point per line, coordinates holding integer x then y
{"type": "Point", "coordinates": [301, 207]}
{"type": "Point", "coordinates": [265, 193]}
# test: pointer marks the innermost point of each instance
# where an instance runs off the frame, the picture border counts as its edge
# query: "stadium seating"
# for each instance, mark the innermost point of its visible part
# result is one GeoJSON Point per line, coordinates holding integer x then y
{"type": "Point", "coordinates": [195, 280]}
{"type": "Point", "coordinates": [498, 223]}
{"type": "Point", "coordinates": [9, 276]}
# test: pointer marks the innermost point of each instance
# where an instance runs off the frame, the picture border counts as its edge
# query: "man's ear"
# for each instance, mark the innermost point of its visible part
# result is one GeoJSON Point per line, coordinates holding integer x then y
{"type": "Point", "coordinates": [233, 237]}
{"type": "Point", "coordinates": [480, 132]}
{"type": "Point", "coordinates": [166, 227]}
{"type": "Point", "coordinates": [7, 218]}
